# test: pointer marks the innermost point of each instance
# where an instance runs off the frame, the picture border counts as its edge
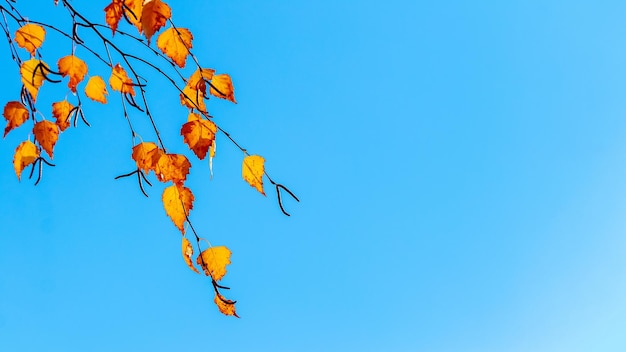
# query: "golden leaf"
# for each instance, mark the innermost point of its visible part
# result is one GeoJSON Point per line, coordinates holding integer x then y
{"type": "Point", "coordinates": [224, 87]}
{"type": "Point", "coordinates": [172, 167]}
{"type": "Point", "coordinates": [178, 201]}
{"type": "Point", "coordinates": [75, 68]}
{"type": "Point", "coordinates": [198, 134]}
{"type": "Point", "coordinates": [199, 78]}
{"type": "Point", "coordinates": [16, 114]}
{"type": "Point", "coordinates": [120, 82]}
{"type": "Point", "coordinates": [30, 37]}
{"type": "Point", "coordinates": [46, 134]}
{"type": "Point", "coordinates": [195, 90]}
{"type": "Point", "coordinates": [226, 306]}
{"type": "Point", "coordinates": [133, 12]}
{"type": "Point", "coordinates": [175, 43]}
{"type": "Point", "coordinates": [113, 14]}
{"type": "Point", "coordinates": [96, 89]}
{"type": "Point", "coordinates": [25, 154]}
{"type": "Point", "coordinates": [188, 253]}
{"type": "Point", "coordinates": [253, 170]}
{"type": "Point", "coordinates": [61, 111]}
{"type": "Point", "coordinates": [146, 155]}
{"type": "Point", "coordinates": [154, 16]}
{"type": "Point", "coordinates": [33, 73]}
{"type": "Point", "coordinates": [214, 261]}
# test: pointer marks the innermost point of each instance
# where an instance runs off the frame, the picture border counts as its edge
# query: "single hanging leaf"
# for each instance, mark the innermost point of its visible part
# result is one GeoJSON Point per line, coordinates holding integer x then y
{"type": "Point", "coordinates": [172, 167]}
{"type": "Point", "coordinates": [75, 68]}
{"type": "Point", "coordinates": [188, 253]}
{"type": "Point", "coordinates": [120, 82]}
{"type": "Point", "coordinates": [146, 155]}
{"type": "Point", "coordinates": [96, 89]}
{"type": "Point", "coordinates": [224, 84]}
{"type": "Point", "coordinates": [30, 37]}
{"type": "Point", "coordinates": [15, 113]}
{"type": "Point", "coordinates": [253, 170]}
{"type": "Point", "coordinates": [154, 16]}
{"type": "Point", "coordinates": [226, 306]}
{"type": "Point", "coordinates": [175, 43]}
{"type": "Point", "coordinates": [214, 261]}
{"type": "Point", "coordinates": [133, 12]}
{"type": "Point", "coordinates": [199, 134]}
{"type": "Point", "coordinates": [46, 134]}
{"type": "Point", "coordinates": [113, 14]}
{"type": "Point", "coordinates": [178, 201]}
{"type": "Point", "coordinates": [33, 73]}
{"type": "Point", "coordinates": [61, 112]}
{"type": "Point", "coordinates": [25, 154]}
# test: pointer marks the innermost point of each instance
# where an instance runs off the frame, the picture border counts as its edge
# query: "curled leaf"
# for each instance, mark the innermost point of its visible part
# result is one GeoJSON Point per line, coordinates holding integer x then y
{"type": "Point", "coordinates": [224, 87]}
{"type": "Point", "coordinates": [226, 306]}
{"type": "Point", "coordinates": [30, 37]}
{"type": "Point", "coordinates": [188, 253]}
{"type": "Point", "coordinates": [172, 167]}
{"type": "Point", "coordinates": [154, 16]}
{"type": "Point", "coordinates": [175, 43]}
{"type": "Point", "coordinates": [146, 155]}
{"type": "Point", "coordinates": [178, 202]}
{"type": "Point", "coordinates": [46, 134]}
{"type": "Point", "coordinates": [25, 154]}
{"type": "Point", "coordinates": [199, 134]}
{"type": "Point", "coordinates": [133, 12]}
{"type": "Point", "coordinates": [253, 170]}
{"type": "Point", "coordinates": [16, 114]}
{"type": "Point", "coordinates": [96, 89]}
{"type": "Point", "coordinates": [214, 261]}
{"type": "Point", "coordinates": [61, 112]}
{"type": "Point", "coordinates": [194, 93]}
{"type": "Point", "coordinates": [75, 68]}
{"type": "Point", "coordinates": [120, 82]}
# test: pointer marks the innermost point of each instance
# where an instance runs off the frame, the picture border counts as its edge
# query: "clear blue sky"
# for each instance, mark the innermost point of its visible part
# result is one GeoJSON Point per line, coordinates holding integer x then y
{"type": "Point", "coordinates": [461, 166]}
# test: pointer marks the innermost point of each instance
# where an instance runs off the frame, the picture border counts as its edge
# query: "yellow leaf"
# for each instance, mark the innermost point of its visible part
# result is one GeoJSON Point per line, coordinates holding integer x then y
{"type": "Point", "coordinates": [146, 155]}
{"type": "Point", "coordinates": [175, 43]}
{"type": "Point", "coordinates": [30, 37]}
{"type": "Point", "coordinates": [33, 73]}
{"type": "Point", "coordinates": [195, 90]}
{"type": "Point", "coordinates": [96, 89]}
{"type": "Point", "coordinates": [25, 154]}
{"type": "Point", "coordinates": [75, 68]}
{"type": "Point", "coordinates": [61, 111]}
{"type": "Point", "coordinates": [16, 114]}
{"type": "Point", "coordinates": [226, 306]}
{"type": "Point", "coordinates": [172, 167]}
{"type": "Point", "coordinates": [46, 134]}
{"type": "Point", "coordinates": [188, 253]}
{"type": "Point", "coordinates": [199, 134]}
{"type": "Point", "coordinates": [154, 16]}
{"type": "Point", "coordinates": [214, 261]}
{"type": "Point", "coordinates": [133, 12]}
{"type": "Point", "coordinates": [199, 78]}
{"type": "Point", "coordinates": [120, 82]}
{"type": "Point", "coordinates": [178, 201]}
{"type": "Point", "coordinates": [113, 14]}
{"type": "Point", "coordinates": [224, 87]}
{"type": "Point", "coordinates": [253, 170]}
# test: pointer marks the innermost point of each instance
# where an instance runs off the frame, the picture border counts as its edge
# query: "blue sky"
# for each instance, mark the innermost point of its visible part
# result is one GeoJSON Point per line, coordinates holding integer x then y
{"type": "Point", "coordinates": [460, 167]}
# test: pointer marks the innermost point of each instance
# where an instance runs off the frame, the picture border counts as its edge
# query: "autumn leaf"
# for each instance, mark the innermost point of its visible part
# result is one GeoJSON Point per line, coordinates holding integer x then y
{"type": "Point", "coordinates": [25, 154]}
{"type": "Point", "coordinates": [75, 68]}
{"type": "Point", "coordinates": [223, 87]}
{"type": "Point", "coordinates": [175, 43]}
{"type": "Point", "coordinates": [199, 134]}
{"type": "Point", "coordinates": [226, 306]}
{"type": "Point", "coordinates": [211, 156]}
{"type": "Point", "coordinates": [61, 111]}
{"type": "Point", "coordinates": [199, 78]}
{"type": "Point", "coordinates": [154, 16]}
{"type": "Point", "coordinates": [178, 201]}
{"type": "Point", "coordinates": [120, 82]}
{"type": "Point", "coordinates": [16, 114]}
{"type": "Point", "coordinates": [172, 167]}
{"type": "Point", "coordinates": [253, 170]}
{"type": "Point", "coordinates": [30, 37]}
{"type": "Point", "coordinates": [195, 90]}
{"type": "Point", "coordinates": [33, 73]}
{"type": "Point", "coordinates": [214, 261]}
{"type": "Point", "coordinates": [113, 14]}
{"type": "Point", "coordinates": [188, 253]}
{"type": "Point", "coordinates": [146, 155]}
{"type": "Point", "coordinates": [46, 134]}
{"type": "Point", "coordinates": [96, 89]}
{"type": "Point", "coordinates": [133, 12]}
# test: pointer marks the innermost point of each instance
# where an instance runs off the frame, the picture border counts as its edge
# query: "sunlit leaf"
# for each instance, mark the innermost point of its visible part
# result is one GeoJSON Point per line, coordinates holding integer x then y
{"type": "Point", "coordinates": [172, 167]}
{"type": "Point", "coordinates": [154, 16]}
{"type": "Point", "coordinates": [61, 112]}
{"type": "Point", "coordinates": [96, 89]}
{"type": "Point", "coordinates": [133, 12]}
{"type": "Point", "coordinates": [224, 87]}
{"type": "Point", "coordinates": [113, 14]}
{"type": "Point", "coordinates": [46, 134]}
{"type": "Point", "coordinates": [194, 93]}
{"type": "Point", "coordinates": [30, 37]}
{"type": "Point", "coordinates": [75, 68]}
{"type": "Point", "coordinates": [33, 73]}
{"type": "Point", "coordinates": [25, 154]}
{"type": "Point", "coordinates": [146, 155]}
{"type": "Point", "coordinates": [175, 43]}
{"type": "Point", "coordinates": [198, 134]}
{"type": "Point", "coordinates": [15, 113]}
{"type": "Point", "coordinates": [226, 306]}
{"type": "Point", "coordinates": [178, 201]}
{"type": "Point", "coordinates": [214, 261]}
{"type": "Point", "coordinates": [120, 82]}
{"type": "Point", "coordinates": [253, 170]}
{"type": "Point", "coordinates": [188, 254]}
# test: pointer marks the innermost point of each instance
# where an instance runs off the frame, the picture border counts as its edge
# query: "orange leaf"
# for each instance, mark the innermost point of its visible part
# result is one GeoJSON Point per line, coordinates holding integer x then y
{"type": "Point", "coordinates": [223, 87]}
{"type": "Point", "coordinates": [195, 90]}
{"type": "Point", "coordinates": [96, 89]}
{"type": "Point", "coordinates": [46, 134]}
{"type": "Point", "coordinates": [199, 78]}
{"type": "Point", "coordinates": [120, 82]}
{"type": "Point", "coordinates": [214, 261]}
{"type": "Point", "coordinates": [30, 37]}
{"type": "Point", "coordinates": [199, 134]}
{"type": "Point", "coordinates": [113, 14]}
{"type": "Point", "coordinates": [146, 155]}
{"type": "Point", "coordinates": [33, 73]}
{"type": "Point", "coordinates": [133, 12]}
{"type": "Point", "coordinates": [188, 253]}
{"type": "Point", "coordinates": [61, 111]}
{"type": "Point", "coordinates": [175, 43]}
{"type": "Point", "coordinates": [253, 170]}
{"type": "Point", "coordinates": [226, 306]}
{"type": "Point", "coordinates": [154, 16]}
{"type": "Point", "coordinates": [178, 201]}
{"type": "Point", "coordinates": [172, 167]}
{"type": "Point", "coordinates": [15, 113]}
{"type": "Point", "coordinates": [25, 154]}
{"type": "Point", "coordinates": [75, 68]}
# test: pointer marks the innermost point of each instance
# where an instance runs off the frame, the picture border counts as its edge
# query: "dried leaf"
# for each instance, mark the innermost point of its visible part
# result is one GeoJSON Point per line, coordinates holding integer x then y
{"type": "Point", "coordinates": [75, 68]}
{"type": "Point", "coordinates": [25, 154]}
{"type": "Point", "coordinates": [199, 134]}
{"type": "Point", "coordinates": [224, 85]}
{"type": "Point", "coordinates": [154, 16]}
{"type": "Point", "coordinates": [172, 167]}
{"type": "Point", "coordinates": [188, 254]}
{"type": "Point", "coordinates": [30, 37]}
{"type": "Point", "coordinates": [33, 73]}
{"type": "Point", "coordinates": [214, 261]}
{"type": "Point", "coordinates": [46, 134]}
{"type": "Point", "coordinates": [226, 306]}
{"type": "Point", "coordinates": [178, 201]}
{"type": "Point", "coordinates": [61, 112]}
{"type": "Point", "coordinates": [96, 89]}
{"type": "Point", "coordinates": [175, 43]}
{"type": "Point", "coordinates": [146, 155]}
{"type": "Point", "coordinates": [16, 114]}
{"type": "Point", "coordinates": [253, 170]}
{"type": "Point", "coordinates": [113, 14]}
{"type": "Point", "coordinates": [120, 82]}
